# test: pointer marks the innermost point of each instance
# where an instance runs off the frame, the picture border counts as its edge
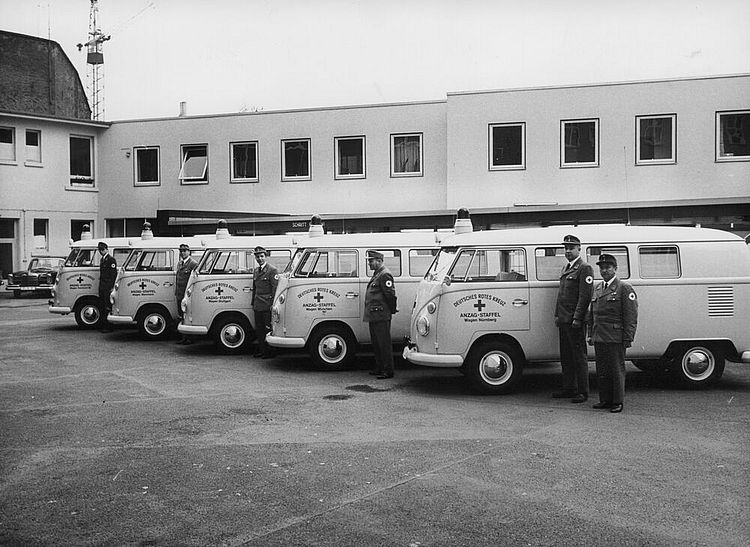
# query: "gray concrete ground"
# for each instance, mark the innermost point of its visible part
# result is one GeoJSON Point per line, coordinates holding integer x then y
{"type": "Point", "coordinates": [110, 440]}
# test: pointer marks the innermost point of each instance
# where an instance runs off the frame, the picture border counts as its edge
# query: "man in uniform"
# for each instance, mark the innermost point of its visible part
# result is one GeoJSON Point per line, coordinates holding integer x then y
{"type": "Point", "coordinates": [107, 275]}
{"type": "Point", "coordinates": [380, 305]}
{"type": "Point", "coordinates": [185, 267]}
{"type": "Point", "coordinates": [265, 280]}
{"type": "Point", "coordinates": [612, 321]}
{"type": "Point", "coordinates": [573, 299]}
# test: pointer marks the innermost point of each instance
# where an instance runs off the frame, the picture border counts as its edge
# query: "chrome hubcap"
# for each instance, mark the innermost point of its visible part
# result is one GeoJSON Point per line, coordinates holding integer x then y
{"type": "Point", "coordinates": [496, 368]}
{"type": "Point", "coordinates": [698, 364]}
{"type": "Point", "coordinates": [332, 349]}
{"type": "Point", "coordinates": [232, 336]}
{"type": "Point", "coordinates": [154, 324]}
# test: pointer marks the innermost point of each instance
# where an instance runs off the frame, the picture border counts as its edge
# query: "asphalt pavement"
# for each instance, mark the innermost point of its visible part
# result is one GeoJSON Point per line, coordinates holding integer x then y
{"type": "Point", "coordinates": [106, 439]}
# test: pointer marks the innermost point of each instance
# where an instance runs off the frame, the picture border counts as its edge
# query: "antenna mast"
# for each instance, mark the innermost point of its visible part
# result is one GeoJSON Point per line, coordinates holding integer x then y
{"type": "Point", "coordinates": [95, 60]}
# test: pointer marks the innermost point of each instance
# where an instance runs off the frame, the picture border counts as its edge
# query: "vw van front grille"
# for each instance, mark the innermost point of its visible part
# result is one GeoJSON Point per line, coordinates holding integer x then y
{"type": "Point", "coordinates": [720, 302]}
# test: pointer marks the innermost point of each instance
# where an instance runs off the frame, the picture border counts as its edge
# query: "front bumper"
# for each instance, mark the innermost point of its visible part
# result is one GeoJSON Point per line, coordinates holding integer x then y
{"type": "Point", "coordinates": [413, 355]}
{"type": "Point", "coordinates": [120, 319]}
{"type": "Point", "coordinates": [28, 288]}
{"type": "Point", "coordinates": [59, 309]}
{"type": "Point", "coordinates": [284, 342]}
{"type": "Point", "coordinates": [745, 357]}
{"type": "Point", "coordinates": [199, 330]}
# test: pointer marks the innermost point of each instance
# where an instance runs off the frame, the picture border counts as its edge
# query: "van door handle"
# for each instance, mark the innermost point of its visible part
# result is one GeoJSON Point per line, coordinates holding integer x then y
{"type": "Point", "coordinates": [518, 302]}
{"type": "Point", "coordinates": [168, 284]}
{"type": "Point", "coordinates": [246, 289]}
{"type": "Point", "coordinates": [352, 295]}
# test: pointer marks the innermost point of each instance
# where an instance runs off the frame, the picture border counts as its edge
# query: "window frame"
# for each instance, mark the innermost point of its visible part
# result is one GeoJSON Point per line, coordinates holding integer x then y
{"type": "Point", "coordinates": [336, 156]}
{"type": "Point", "coordinates": [718, 157]}
{"type": "Point", "coordinates": [597, 143]}
{"type": "Point", "coordinates": [494, 277]}
{"type": "Point", "coordinates": [661, 161]}
{"type": "Point", "coordinates": [663, 246]}
{"type": "Point", "coordinates": [296, 178]}
{"type": "Point", "coordinates": [491, 147]}
{"type": "Point", "coordinates": [11, 146]}
{"type": "Point", "coordinates": [136, 171]}
{"type": "Point", "coordinates": [394, 173]}
{"type": "Point", "coordinates": [192, 180]}
{"type": "Point", "coordinates": [33, 162]}
{"type": "Point", "coordinates": [233, 179]}
{"type": "Point", "coordinates": [614, 249]}
{"type": "Point", "coordinates": [44, 223]}
{"type": "Point", "coordinates": [82, 180]}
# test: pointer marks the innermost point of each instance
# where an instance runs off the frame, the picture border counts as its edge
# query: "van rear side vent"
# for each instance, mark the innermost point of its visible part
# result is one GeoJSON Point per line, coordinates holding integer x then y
{"type": "Point", "coordinates": [720, 301]}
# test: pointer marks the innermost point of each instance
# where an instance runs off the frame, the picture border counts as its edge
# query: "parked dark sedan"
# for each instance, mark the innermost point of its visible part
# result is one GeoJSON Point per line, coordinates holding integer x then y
{"type": "Point", "coordinates": [39, 277]}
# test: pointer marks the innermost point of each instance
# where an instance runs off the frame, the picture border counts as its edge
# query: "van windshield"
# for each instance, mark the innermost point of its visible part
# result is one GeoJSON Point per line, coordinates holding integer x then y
{"type": "Point", "coordinates": [80, 257]}
{"type": "Point", "coordinates": [442, 262]}
{"type": "Point", "coordinates": [326, 263]}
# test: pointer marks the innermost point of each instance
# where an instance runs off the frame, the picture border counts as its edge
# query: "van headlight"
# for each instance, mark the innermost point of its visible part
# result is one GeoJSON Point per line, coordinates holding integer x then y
{"type": "Point", "coordinates": [282, 299]}
{"type": "Point", "coordinates": [275, 315]}
{"type": "Point", "coordinates": [423, 325]}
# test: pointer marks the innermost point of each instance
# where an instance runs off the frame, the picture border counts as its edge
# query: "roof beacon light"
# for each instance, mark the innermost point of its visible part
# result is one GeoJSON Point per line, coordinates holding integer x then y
{"type": "Point", "coordinates": [463, 222]}
{"type": "Point", "coordinates": [146, 233]}
{"type": "Point", "coordinates": [85, 232]}
{"type": "Point", "coordinates": [222, 232]}
{"type": "Point", "coordinates": [316, 226]}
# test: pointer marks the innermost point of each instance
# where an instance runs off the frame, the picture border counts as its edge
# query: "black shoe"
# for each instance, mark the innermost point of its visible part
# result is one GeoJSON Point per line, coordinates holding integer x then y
{"type": "Point", "coordinates": [376, 373]}
{"type": "Point", "coordinates": [187, 341]}
{"type": "Point", "coordinates": [385, 376]}
{"type": "Point", "coordinates": [601, 405]}
{"type": "Point", "coordinates": [563, 395]}
{"type": "Point", "coordinates": [580, 398]}
{"type": "Point", "coordinates": [617, 407]}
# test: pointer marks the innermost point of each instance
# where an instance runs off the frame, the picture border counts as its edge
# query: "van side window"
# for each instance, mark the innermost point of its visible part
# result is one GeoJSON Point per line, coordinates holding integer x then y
{"type": "Point", "coordinates": [490, 265]}
{"type": "Point", "coordinates": [420, 260]}
{"type": "Point", "coordinates": [229, 262]}
{"type": "Point", "coordinates": [659, 261]}
{"type": "Point", "coordinates": [120, 255]}
{"type": "Point", "coordinates": [620, 253]}
{"type": "Point", "coordinates": [549, 262]}
{"type": "Point", "coordinates": [155, 261]}
{"type": "Point", "coordinates": [278, 258]}
{"type": "Point", "coordinates": [391, 260]}
{"type": "Point", "coordinates": [328, 263]}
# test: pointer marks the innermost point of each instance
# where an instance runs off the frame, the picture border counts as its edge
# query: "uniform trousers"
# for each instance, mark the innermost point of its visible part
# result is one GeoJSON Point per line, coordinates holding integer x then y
{"type": "Point", "coordinates": [575, 367]}
{"type": "Point", "coordinates": [610, 372]}
{"type": "Point", "coordinates": [380, 335]}
{"type": "Point", "coordinates": [105, 306]}
{"type": "Point", "coordinates": [262, 328]}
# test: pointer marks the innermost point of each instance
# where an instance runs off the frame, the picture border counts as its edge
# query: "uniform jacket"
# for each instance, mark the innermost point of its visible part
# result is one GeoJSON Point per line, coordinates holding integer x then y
{"type": "Point", "coordinates": [182, 276]}
{"type": "Point", "coordinates": [380, 298]}
{"type": "Point", "coordinates": [613, 316]}
{"type": "Point", "coordinates": [264, 287]}
{"type": "Point", "coordinates": [574, 296]}
{"type": "Point", "coordinates": [107, 273]}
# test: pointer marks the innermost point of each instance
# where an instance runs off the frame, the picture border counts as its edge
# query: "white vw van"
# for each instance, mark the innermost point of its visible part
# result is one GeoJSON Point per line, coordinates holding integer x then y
{"type": "Point", "coordinates": [144, 289]}
{"type": "Point", "coordinates": [319, 302]}
{"type": "Point", "coordinates": [76, 289]}
{"type": "Point", "coordinates": [217, 298]}
{"type": "Point", "coordinates": [486, 305]}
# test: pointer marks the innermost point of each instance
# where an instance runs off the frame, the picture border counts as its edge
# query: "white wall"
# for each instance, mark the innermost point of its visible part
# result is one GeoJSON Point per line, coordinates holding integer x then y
{"type": "Point", "coordinates": [323, 194]}
{"type": "Point", "coordinates": [695, 176]}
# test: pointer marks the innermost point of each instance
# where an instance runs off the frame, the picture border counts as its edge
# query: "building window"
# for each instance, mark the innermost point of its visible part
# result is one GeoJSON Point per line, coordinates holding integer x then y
{"type": "Point", "coordinates": [655, 140]}
{"type": "Point", "coordinates": [507, 146]}
{"type": "Point", "coordinates": [81, 160]}
{"type": "Point", "coordinates": [579, 143]}
{"type": "Point", "coordinates": [33, 146]}
{"type": "Point", "coordinates": [733, 136]}
{"type": "Point", "coordinates": [41, 229]}
{"type": "Point", "coordinates": [350, 157]}
{"type": "Point", "coordinates": [77, 228]}
{"type": "Point", "coordinates": [146, 166]}
{"type": "Point", "coordinates": [244, 157]}
{"type": "Point", "coordinates": [295, 160]}
{"type": "Point", "coordinates": [7, 144]}
{"type": "Point", "coordinates": [406, 155]}
{"type": "Point", "coordinates": [126, 227]}
{"type": "Point", "coordinates": [194, 168]}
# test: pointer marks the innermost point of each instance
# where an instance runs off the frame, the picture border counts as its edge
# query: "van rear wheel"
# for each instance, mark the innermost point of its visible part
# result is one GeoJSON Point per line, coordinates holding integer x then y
{"type": "Point", "coordinates": [494, 367]}
{"type": "Point", "coordinates": [697, 366]}
{"type": "Point", "coordinates": [332, 348]}
{"type": "Point", "coordinates": [87, 314]}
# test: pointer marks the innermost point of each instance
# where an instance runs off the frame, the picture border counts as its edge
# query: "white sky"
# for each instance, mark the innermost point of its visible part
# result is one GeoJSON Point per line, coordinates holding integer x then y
{"type": "Point", "coordinates": [229, 55]}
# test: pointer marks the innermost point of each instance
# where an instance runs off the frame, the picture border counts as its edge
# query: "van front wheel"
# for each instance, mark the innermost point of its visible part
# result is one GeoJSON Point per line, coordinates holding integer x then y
{"type": "Point", "coordinates": [232, 335]}
{"type": "Point", "coordinates": [494, 367]}
{"type": "Point", "coordinates": [332, 348]}
{"type": "Point", "coordinates": [154, 323]}
{"type": "Point", "coordinates": [697, 366]}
